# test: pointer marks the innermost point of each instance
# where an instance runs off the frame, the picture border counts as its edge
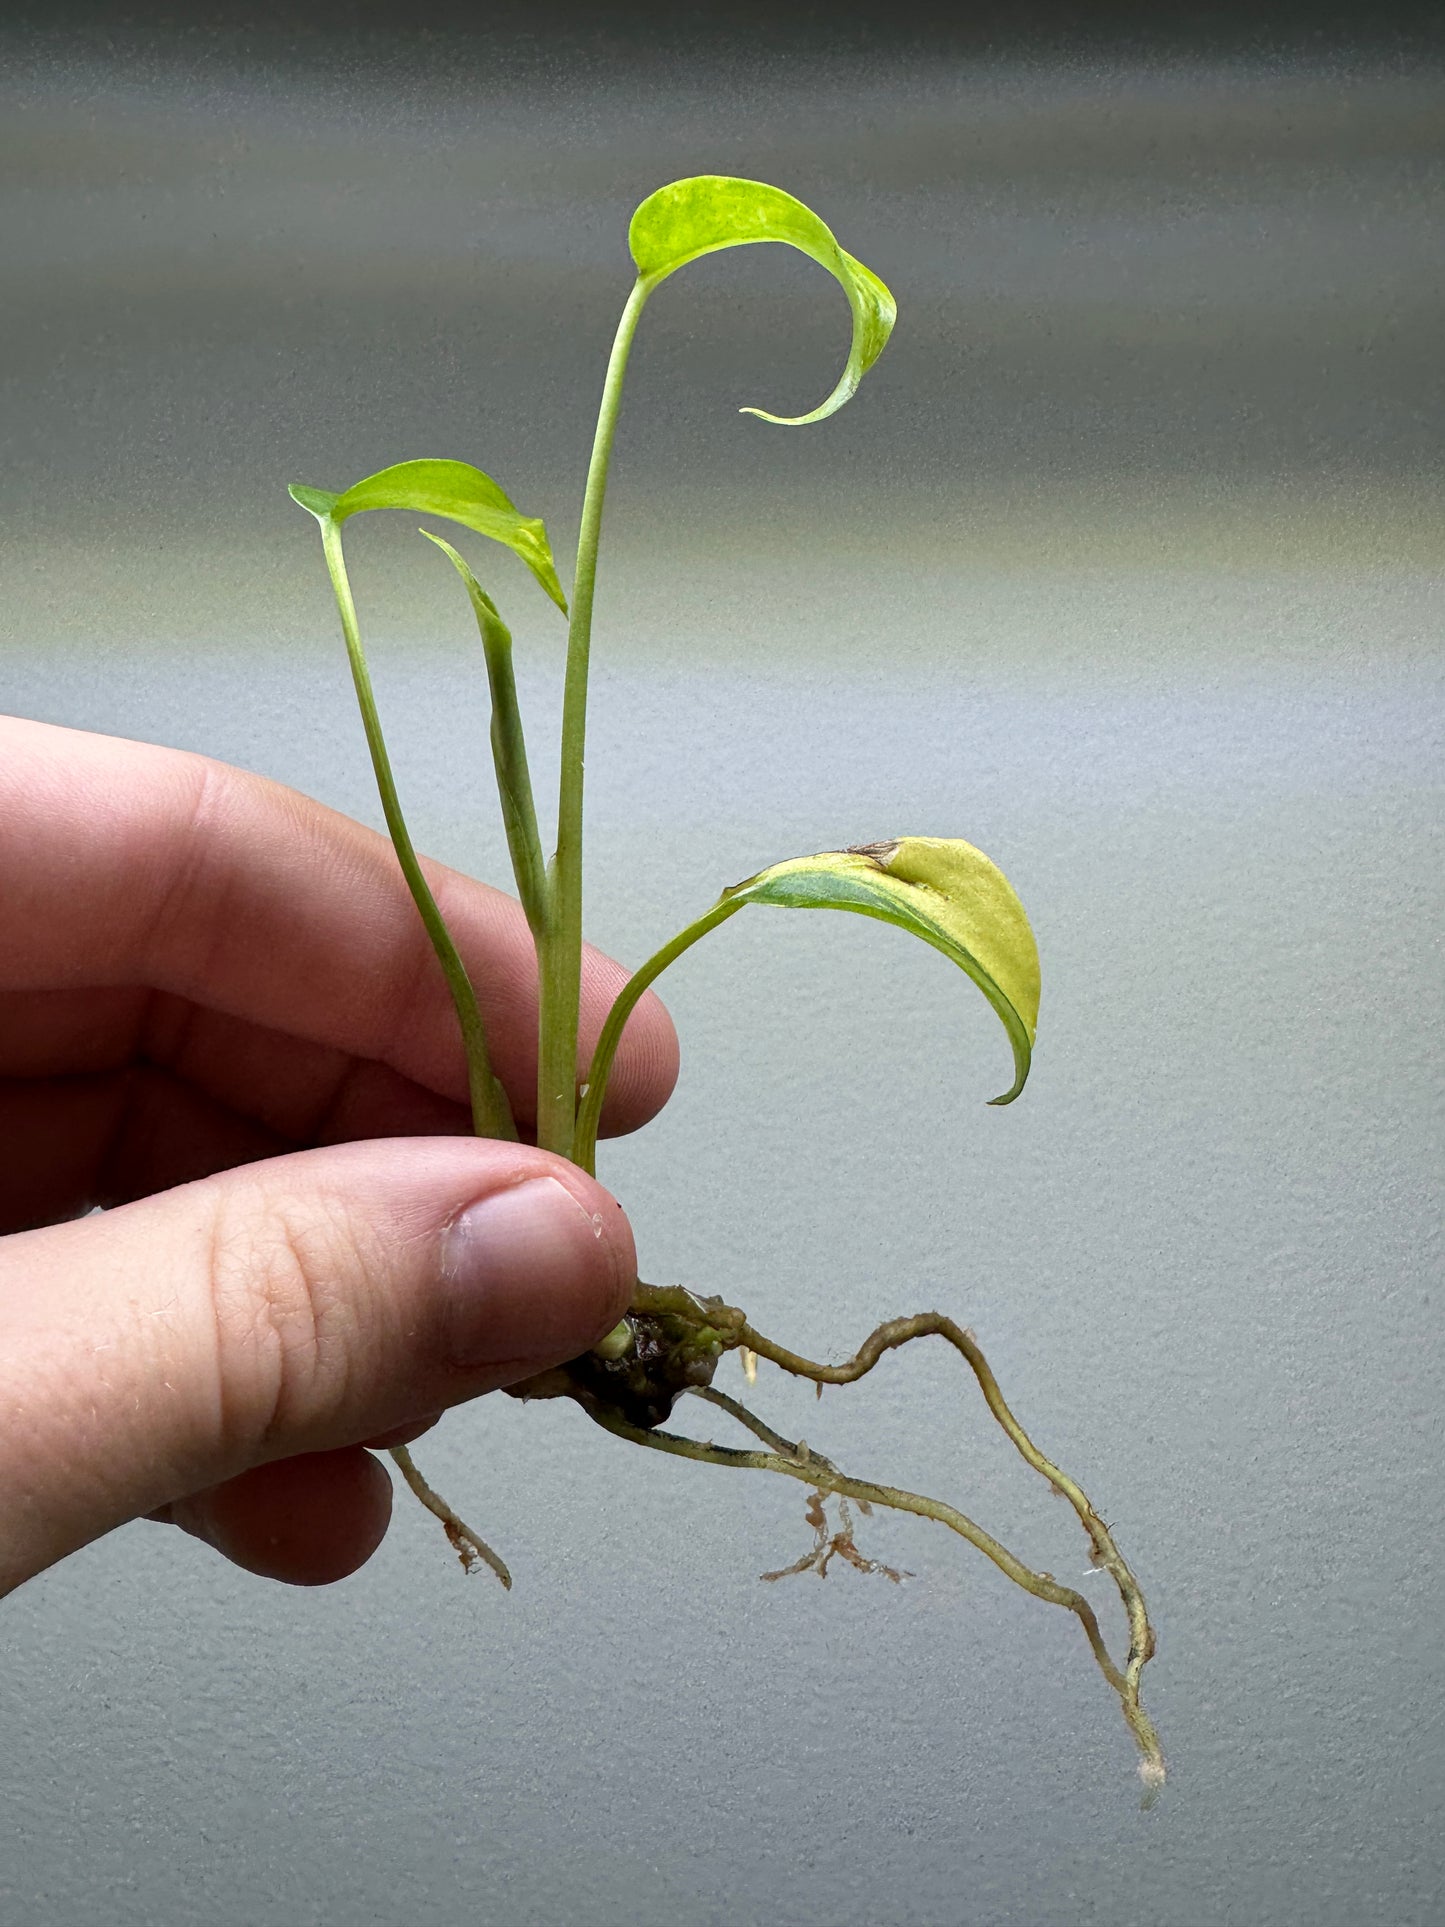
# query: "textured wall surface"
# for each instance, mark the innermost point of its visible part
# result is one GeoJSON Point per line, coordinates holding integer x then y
{"type": "Point", "coordinates": [1126, 564]}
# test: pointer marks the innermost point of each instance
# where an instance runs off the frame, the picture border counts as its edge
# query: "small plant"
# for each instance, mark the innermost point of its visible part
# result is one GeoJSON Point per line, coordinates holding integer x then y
{"type": "Point", "coordinates": [941, 890]}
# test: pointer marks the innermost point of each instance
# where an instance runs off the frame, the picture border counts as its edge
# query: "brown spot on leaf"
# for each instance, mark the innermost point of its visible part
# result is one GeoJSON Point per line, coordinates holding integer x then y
{"type": "Point", "coordinates": [880, 853]}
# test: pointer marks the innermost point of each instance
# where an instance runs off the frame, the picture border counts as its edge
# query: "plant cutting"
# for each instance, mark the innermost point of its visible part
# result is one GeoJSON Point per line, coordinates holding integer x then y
{"type": "Point", "coordinates": [941, 890]}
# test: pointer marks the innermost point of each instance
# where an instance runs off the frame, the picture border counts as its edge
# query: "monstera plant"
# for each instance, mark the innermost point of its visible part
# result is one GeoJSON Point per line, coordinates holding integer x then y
{"type": "Point", "coordinates": [939, 889]}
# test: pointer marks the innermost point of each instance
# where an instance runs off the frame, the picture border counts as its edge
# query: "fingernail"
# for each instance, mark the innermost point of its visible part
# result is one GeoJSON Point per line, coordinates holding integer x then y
{"type": "Point", "coordinates": [533, 1276]}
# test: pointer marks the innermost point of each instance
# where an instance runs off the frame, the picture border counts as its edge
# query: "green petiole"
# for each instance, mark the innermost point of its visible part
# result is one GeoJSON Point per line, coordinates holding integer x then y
{"type": "Point", "coordinates": [561, 953]}
{"type": "Point", "coordinates": [594, 1091]}
{"type": "Point", "coordinates": [491, 1112]}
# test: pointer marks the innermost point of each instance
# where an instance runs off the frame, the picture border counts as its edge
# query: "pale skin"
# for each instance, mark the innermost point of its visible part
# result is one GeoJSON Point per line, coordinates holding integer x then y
{"type": "Point", "coordinates": [221, 1020]}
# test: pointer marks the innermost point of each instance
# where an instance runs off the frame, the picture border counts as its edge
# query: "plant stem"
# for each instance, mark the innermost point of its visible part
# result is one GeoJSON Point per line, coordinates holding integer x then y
{"type": "Point", "coordinates": [584, 1145]}
{"type": "Point", "coordinates": [561, 951]}
{"type": "Point", "coordinates": [491, 1113]}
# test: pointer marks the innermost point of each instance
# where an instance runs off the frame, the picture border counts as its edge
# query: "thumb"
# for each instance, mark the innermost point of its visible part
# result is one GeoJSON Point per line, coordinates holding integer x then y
{"type": "Point", "coordinates": [295, 1306]}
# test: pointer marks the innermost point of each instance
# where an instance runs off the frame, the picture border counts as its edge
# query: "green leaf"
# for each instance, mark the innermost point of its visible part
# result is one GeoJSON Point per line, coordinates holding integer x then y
{"type": "Point", "coordinates": [713, 211]}
{"type": "Point", "coordinates": [456, 491]}
{"type": "Point", "coordinates": [944, 891]}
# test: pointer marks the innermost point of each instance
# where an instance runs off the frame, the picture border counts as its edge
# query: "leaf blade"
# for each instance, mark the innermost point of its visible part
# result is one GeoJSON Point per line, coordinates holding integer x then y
{"type": "Point", "coordinates": [457, 492]}
{"type": "Point", "coordinates": [706, 213]}
{"type": "Point", "coordinates": [940, 889]}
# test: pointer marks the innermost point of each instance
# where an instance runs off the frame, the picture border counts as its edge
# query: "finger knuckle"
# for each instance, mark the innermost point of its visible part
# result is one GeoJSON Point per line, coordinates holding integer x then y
{"type": "Point", "coordinates": [288, 1319]}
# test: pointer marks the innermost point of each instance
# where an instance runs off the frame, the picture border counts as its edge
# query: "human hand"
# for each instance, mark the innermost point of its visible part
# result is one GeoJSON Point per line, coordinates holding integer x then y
{"type": "Point", "coordinates": [221, 1019]}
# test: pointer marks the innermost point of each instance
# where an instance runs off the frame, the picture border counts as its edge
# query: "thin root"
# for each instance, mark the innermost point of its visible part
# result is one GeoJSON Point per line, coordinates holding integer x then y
{"type": "Point", "coordinates": [469, 1546]}
{"type": "Point", "coordinates": [828, 1546]}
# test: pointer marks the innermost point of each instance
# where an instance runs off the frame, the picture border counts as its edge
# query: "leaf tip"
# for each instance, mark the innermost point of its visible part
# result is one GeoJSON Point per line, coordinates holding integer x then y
{"type": "Point", "coordinates": [464, 569]}
{"type": "Point", "coordinates": [1023, 1064]}
{"type": "Point", "coordinates": [842, 394]}
{"type": "Point", "coordinates": [789, 421]}
{"type": "Point", "coordinates": [316, 501]}
{"type": "Point", "coordinates": [997, 1103]}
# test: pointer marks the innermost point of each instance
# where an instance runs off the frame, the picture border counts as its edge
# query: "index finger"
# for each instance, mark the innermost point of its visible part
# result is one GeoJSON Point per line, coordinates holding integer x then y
{"type": "Point", "coordinates": [125, 864]}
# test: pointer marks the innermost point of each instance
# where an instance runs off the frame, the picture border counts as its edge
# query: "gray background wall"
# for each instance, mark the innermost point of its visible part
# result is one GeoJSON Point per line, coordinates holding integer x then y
{"type": "Point", "coordinates": [1126, 564]}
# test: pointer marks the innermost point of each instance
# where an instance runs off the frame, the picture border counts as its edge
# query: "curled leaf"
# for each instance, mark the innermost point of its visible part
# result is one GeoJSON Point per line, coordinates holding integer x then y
{"type": "Point", "coordinates": [941, 889]}
{"type": "Point", "coordinates": [713, 211]}
{"type": "Point", "coordinates": [454, 490]}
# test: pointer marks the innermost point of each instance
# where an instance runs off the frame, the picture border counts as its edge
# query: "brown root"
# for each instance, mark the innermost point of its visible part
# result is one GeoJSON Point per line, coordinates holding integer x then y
{"type": "Point", "coordinates": [469, 1546]}
{"type": "Point", "coordinates": [716, 1327]}
{"type": "Point", "coordinates": [828, 1546]}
